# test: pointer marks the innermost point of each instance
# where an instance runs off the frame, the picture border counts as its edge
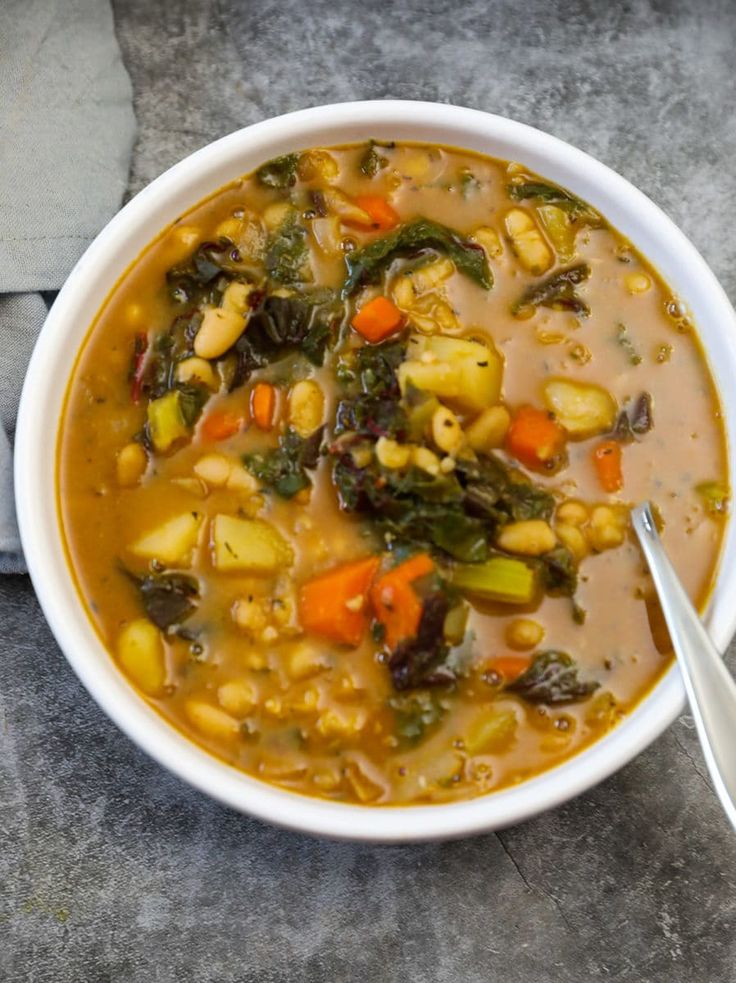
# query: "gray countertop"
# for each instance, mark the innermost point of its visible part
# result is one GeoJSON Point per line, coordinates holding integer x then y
{"type": "Point", "coordinates": [112, 870]}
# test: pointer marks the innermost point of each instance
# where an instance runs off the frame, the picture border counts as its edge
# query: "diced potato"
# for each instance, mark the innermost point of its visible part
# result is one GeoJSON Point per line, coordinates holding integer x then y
{"type": "Point", "coordinates": [488, 430]}
{"type": "Point", "coordinates": [197, 370]}
{"type": "Point", "coordinates": [172, 542]}
{"type": "Point", "coordinates": [237, 696]}
{"type": "Point", "coordinates": [306, 407]}
{"type": "Point", "coordinates": [235, 297]}
{"type": "Point", "coordinates": [531, 537]}
{"type": "Point", "coordinates": [465, 374]}
{"type": "Point", "coordinates": [339, 204]}
{"type": "Point", "coordinates": [140, 652]}
{"type": "Point", "coordinates": [219, 330]}
{"type": "Point", "coordinates": [583, 409]}
{"type": "Point", "coordinates": [490, 240]}
{"type": "Point", "coordinates": [251, 545]}
{"type": "Point", "coordinates": [528, 242]}
{"type": "Point", "coordinates": [215, 469]}
{"type": "Point", "coordinates": [131, 464]}
{"type": "Point", "coordinates": [211, 720]}
{"type": "Point", "coordinates": [166, 423]}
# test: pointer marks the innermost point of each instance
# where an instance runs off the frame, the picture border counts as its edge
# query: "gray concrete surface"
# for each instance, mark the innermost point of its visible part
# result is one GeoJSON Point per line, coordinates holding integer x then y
{"type": "Point", "coordinates": [110, 870]}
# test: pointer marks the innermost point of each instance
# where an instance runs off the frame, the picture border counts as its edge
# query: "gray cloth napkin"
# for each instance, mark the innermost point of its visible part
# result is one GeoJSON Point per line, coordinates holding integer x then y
{"type": "Point", "coordinates": [66, 135]}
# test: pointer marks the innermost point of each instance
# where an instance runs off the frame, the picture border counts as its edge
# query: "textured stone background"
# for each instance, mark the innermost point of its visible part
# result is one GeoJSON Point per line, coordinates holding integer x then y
{"type": "Point", "coordinates": [110, 870]}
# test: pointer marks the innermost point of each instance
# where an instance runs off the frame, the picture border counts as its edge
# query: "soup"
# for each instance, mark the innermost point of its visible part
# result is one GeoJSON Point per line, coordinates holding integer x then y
{"type": "Point", "coordinates": [346, 463]}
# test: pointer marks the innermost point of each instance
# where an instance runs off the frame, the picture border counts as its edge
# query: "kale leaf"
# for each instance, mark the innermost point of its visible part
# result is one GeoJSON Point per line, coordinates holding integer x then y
{"type": "Point", "coordinates": [202, 277]}
{"type": "Point", "coordinates": [284, 468]}
{"type": "Point", "coordinates": [415, 714]}
{"type": "Point", "coordinates": [552, 678]}
{"type": "Point", "coordinates": [367, 264]}
{"type": "Point", "coordinates": [168, 598]}
{"type": "Point", "coordinates": [637, 422]}
{"type": "Point", "coordinates": [553, 196]}
{"type": "Point", "coordinates": [418, 661]}
{"type": "Point", "coordinates": [559, 571]}
{"type": "Point", "coordinates": [280, 325]}
{"type": "Point", "coordinates": [286, 252]}
{"type": "Point", "coordinates": [371, 162]}
{"type": "Point", "coordinates": [557, 291]}
{"type": "Point", "coordinates": [279, 173]}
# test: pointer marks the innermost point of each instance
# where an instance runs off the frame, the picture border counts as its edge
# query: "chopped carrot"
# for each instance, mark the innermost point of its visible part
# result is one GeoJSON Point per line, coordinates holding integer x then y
{"type": "Point", "coordinates": [607, 460]}
{"type": "Point", "coordinates": [378, 319]}
{"type": "Point", "coordinates": [535, 438]}
{"type": "Point", "coordinates": [335, 604]}
{"type": "Point", "coordinates": [383, 216]}
{"type": "Point", "coordinates": [510, 667]}
{"type": "Point", "coordinates": [220, 425]}
{"type": "Point", "coordinates": [396, 603]}
{"type": "Point", "coordinates": [263, 404]}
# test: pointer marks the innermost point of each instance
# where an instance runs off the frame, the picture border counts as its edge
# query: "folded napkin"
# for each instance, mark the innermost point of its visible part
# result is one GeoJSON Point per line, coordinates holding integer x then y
{"type": "Point", "coordinates": [66, 135]}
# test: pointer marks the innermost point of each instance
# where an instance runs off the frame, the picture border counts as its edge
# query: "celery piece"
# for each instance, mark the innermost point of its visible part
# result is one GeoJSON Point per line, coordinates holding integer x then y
{"type": "Point", "coordinates": [499, 579]}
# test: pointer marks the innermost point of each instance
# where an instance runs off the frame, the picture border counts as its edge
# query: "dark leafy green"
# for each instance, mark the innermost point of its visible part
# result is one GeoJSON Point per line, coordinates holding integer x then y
{"type": "Point", "coordinates": [279, 173]}
{"type": "Point", "coordinates": [286, 252]}
{"type": "Point", "coordinates": [419, 661]}
{"type": "Point", "coordinates": [559, 571]}
{"type": "Point", "coordinates": [552, 678]}
{"type": "Point", "coordinates": [553, 196]}
{"type": "Point", "coordinates": [371, 161]}
{"type": "Point", "coordinates": [366, 265]}
{"type": "Point", "coordinates": [284, 468]}
{"type": "Point", "coordinates": [372, 405]}
{"type": "Point", "coordinates": [501, 494]}
{"type": "Point", "coordinates": [205, 274]}
{"type": "Point", "coordinates": [415, 714]}
{"type": "Point", "coordinates": [280, 325]}
{"type": "Point", "coordinates": [557, 291]}
{"type": "Point", "coordinates": [637, 422]}
{"type": "Point", "coordinates": [169, 598]}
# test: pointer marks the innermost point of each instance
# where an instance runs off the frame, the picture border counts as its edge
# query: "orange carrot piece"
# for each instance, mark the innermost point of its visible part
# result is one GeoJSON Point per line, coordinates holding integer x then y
{"type": "Point", "coordinates": [335, 604]}
{"type": "Point", "coordinates": [510, 667]}
{"type": "Point", "coordinates": [220, 425]}
{"type": "Point", "coordinates": [607, 460]}
{"type": "Point", "coordinates": [377, 319]}
{"type": "Point", "coordinates": [397, 606]}
{"type": "Point", "coordinates": [535, 438]}
{"type": "Point", "coordinates": [383, 216]}
{"type": "Point", "coordinates": [263, 404]}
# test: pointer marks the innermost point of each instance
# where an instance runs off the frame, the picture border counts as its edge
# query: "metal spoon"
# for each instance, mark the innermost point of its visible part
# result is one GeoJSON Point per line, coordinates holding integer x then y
{"type": "Point", "coordinates": [709, 685]}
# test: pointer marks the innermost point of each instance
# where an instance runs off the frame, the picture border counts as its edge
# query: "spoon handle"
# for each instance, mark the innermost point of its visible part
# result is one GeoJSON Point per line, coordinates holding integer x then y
{"type": "Point", "coordinates": [709, 685]}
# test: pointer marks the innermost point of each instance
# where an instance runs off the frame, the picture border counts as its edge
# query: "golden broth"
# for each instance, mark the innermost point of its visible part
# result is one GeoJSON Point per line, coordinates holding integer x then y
{"type": "Point", "coordinates": [316, 716]}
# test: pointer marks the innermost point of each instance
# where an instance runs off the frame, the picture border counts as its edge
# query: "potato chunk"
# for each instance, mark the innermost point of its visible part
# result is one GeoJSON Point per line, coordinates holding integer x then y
{"type": "Point", "coordinates": [172, 542]}
{"type": "Point", "coordinates": [251, 545]}
{"type": "Point", "coordinates": [140, 652]}
{"type": "Point", "coordinates": [583, 409]}
{"type": "Point", "coordinates": [465, 374]}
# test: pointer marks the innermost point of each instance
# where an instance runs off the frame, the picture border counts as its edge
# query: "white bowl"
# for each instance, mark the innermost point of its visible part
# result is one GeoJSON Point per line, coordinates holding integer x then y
{"type": "Point", "coordinates": [66, 327]}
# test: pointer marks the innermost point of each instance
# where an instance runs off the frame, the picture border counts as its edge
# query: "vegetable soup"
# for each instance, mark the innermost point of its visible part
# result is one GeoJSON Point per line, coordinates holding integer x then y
{"type": "Point", "coordinates": [346, 466]}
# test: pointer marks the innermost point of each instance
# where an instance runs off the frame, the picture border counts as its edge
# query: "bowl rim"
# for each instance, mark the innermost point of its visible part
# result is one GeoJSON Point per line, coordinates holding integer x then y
{"type": "Point", "coordinates": [126, 235]}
